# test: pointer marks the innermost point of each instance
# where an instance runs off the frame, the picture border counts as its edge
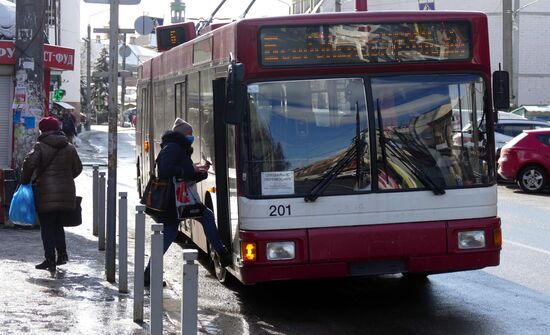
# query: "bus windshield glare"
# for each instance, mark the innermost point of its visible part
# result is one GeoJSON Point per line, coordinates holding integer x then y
{"type": "Point", "coordinates": [299, 130]}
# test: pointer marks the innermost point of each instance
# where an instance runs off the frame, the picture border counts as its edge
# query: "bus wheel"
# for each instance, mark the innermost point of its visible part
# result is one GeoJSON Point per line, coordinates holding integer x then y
{"type": "Point", "coordinates": [219, 271]}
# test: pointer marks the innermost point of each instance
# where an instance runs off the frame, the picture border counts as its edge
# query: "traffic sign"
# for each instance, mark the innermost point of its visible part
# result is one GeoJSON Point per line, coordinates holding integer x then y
{"type": "Point", "coordinates": [426, 5]}
{"type": "Point", "coordinates": [124, 51]}
{"type": "Point", "coordinates": [144, 25]}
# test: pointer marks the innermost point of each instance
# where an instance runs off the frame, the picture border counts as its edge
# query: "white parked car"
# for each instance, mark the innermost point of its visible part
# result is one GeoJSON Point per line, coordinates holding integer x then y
{"type": "Point", "coordinates": [508, 126]}
{"type": "Point", "coordinates": [505, 130]}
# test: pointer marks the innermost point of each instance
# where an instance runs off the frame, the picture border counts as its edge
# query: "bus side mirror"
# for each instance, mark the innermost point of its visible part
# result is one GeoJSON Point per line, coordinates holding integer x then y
{"type": "Point", "coordinates": [235, 93]}
{"type": "Point", "coordinates": [501, 90]}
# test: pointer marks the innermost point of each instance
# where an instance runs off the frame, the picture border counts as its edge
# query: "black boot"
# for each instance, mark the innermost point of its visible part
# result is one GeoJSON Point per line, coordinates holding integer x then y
{"type": "Point", "coordinates": [225, 257]}
{"type": "Point", "coordinates": [62, 258]}
{"type": "Point", "coordinates": [147, 279]}
{"type": "Point", "coordinates": [48, 264]}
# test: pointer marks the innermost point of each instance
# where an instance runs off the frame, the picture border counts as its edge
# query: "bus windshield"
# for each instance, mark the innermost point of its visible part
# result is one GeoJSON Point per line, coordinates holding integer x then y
{"type": "Point", "coordinates": [301, 130]}
{"type": "Point", "coordinates": [421, 133]}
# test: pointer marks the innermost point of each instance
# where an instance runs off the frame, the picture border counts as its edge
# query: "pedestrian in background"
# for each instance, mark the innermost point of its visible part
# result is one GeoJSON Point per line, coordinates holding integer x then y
{"type": "Point", "coordinates": [51, 166]}
{"type": "Point", "coordinates": [174, 160]}
{"type": "Point", "coordinates": [69, 125]}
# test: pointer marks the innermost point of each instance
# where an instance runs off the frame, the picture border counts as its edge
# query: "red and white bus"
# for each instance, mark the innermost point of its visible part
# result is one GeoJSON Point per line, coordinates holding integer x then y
{"type": "Point", "coordinates": [331, 138]}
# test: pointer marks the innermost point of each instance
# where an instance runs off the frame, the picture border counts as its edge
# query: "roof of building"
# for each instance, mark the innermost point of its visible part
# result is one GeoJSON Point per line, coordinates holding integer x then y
{"type": "Point", "coordinates": [137, 55]}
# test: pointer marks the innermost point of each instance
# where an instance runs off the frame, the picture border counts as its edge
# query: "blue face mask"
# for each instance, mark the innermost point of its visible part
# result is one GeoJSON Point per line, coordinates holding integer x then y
{"type": "Point", "coordinates": [190, 138]}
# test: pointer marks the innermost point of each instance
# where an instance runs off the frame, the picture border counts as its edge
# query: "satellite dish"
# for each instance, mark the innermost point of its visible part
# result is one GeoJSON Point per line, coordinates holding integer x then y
{"type": "Point", "coordinates": [124, 51]}
{"type": "Point", "coordinates": [144, 25]}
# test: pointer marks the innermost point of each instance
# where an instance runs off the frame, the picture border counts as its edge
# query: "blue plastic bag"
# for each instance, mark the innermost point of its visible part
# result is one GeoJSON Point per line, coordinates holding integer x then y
{"type": "Point", "coordinates": [22, 210]}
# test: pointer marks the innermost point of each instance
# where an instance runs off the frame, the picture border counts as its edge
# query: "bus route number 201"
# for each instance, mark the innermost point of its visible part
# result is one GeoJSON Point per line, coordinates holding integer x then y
{"type": "Point", "coordinates": [279, 210]}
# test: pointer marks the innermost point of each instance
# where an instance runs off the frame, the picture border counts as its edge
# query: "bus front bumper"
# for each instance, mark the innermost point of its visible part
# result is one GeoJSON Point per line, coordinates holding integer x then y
{"type": "Point", "coordinates": [426, 247]}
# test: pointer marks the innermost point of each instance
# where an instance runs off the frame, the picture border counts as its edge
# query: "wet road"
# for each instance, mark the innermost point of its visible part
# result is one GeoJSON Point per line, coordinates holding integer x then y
{"type": "Point", "coordinates": [513, 298]}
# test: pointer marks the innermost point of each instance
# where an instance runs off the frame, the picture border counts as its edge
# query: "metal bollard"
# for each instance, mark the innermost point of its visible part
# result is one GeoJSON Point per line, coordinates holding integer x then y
{"type": "Point", "coordinates": [101, 212]}
{"type": "Point", "coordinates": [190, 292]}
{"type": "Point", "coordinates": [156, 278]}
{"type": "Point", "coordinates": [95, 186]}
{"type": "Point", "coordinates": [123, 242]}
{"type": "Point", "coordinates": [139, 255]}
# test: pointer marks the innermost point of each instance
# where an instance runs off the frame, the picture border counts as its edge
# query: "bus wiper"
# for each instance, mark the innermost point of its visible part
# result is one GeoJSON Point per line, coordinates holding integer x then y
{"type": "Point", "coordinates": [396, 151]}
{"type": "Point", "coordinates": [418, 173]}
{"type": "Point", "coordinates": [355, 151]}
{"type": "Point", "coordinates": [382, 139]}
{"type": "Point", "coordinates": [320, 187]}
{"type": "Point", "coordinates": [360, 148]}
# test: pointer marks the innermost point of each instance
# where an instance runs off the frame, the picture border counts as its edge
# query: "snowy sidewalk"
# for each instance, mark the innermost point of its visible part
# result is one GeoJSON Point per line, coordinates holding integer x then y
{"type": "Point", "coordinates": [76, 299]}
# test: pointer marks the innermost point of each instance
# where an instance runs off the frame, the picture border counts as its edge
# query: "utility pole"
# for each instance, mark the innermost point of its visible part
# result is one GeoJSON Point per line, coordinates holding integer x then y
{"type": "Point", "coordinates": [110, 254]}
{"type": "Point", "coordinates": [110, 251]}
{"type": "Point", "coordinates": [123, 78]}
{"type": "Point", "coordinates": [29, 69]}
{"type": "Point", "coordinates": [514, 88]}
{"type": "Point", "coordinates": [507, 17]}
{"type": "Point", "coordinates": [88, 124]}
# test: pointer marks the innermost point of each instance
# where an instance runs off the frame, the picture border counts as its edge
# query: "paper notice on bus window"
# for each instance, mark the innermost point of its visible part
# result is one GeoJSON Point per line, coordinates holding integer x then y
{"type": "Point", "coordinates": [276, 183]}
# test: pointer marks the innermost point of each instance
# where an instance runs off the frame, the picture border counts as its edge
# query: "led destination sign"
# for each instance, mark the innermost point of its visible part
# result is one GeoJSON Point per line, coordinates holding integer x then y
{"type": "Point", "coordinates": [365, 43]}
{"type": "Point", "coordinates": [174, 35]}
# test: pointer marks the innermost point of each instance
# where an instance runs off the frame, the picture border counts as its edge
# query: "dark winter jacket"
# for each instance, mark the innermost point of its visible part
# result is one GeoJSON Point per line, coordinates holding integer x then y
{"type": "Point", "coordinates": [69, 125]}
{"type": "Point", "coordinates": [56, 163]}
{"type": "Point", "coordinates": [174, 160]}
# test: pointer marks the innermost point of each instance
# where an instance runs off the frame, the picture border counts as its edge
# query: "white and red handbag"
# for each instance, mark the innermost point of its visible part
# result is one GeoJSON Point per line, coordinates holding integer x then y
{"type": "Point", "coordinates": [188, 203]}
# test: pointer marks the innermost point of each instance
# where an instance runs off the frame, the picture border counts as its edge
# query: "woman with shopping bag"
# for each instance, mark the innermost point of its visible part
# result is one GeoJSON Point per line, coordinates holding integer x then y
{"type": "Point", "coordinates": [174, 162]}
{"type": "Point", "coordinates": [51, 166]}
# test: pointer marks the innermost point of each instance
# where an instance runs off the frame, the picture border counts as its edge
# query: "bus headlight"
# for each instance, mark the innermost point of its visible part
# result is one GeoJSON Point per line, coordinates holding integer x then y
{"type": "Point", "coordinates": [471, 239]}
{"type": "Point", "coordinates": [277, 251]}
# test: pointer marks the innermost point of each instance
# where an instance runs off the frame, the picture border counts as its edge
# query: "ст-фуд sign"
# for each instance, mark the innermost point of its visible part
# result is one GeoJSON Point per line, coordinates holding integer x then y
{"type": "Point", "coordinates": [55, 57]}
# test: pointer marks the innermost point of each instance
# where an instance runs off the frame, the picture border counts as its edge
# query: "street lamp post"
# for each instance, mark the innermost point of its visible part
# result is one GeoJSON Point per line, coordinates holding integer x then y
{"type": "Point", "coordinates": [110, 254]}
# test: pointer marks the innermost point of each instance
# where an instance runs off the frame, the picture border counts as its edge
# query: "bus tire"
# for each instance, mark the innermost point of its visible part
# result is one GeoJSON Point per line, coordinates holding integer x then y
{"type": "Point", "coordinates": [220, 272]}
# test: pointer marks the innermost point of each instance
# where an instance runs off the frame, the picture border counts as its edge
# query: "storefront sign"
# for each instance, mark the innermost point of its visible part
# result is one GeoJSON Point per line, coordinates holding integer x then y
{"type": "Point", "coordinates": [55, 57]}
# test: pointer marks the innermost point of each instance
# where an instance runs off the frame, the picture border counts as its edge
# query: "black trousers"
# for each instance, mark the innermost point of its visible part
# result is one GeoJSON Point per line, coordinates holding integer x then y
{"type": "Point", "coordinates": [53, 234]}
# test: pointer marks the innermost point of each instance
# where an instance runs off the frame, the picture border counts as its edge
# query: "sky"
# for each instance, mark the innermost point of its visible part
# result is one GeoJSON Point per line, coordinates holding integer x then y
{"type": "Point", "coordinates": [97, 15]}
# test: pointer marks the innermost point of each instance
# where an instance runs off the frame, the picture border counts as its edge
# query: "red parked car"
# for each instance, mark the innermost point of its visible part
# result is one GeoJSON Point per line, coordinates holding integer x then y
{"type": "Point", "coordinates": [526, 160]}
